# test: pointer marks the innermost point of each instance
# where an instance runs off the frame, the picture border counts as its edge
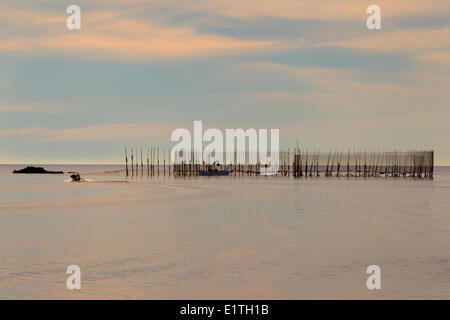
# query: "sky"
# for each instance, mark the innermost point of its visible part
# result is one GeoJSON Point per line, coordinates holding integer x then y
{"type": "Point", "coordinates": [139, 69]}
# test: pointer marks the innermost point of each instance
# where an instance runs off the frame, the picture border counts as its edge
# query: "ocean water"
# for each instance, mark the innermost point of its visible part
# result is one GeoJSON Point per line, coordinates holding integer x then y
{"type": "Point", "coordinates": [222, 237]}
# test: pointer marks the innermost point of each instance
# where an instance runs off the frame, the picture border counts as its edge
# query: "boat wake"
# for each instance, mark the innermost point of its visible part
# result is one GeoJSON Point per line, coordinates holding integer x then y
{"type": "Point", "coordinates": [91, 180]}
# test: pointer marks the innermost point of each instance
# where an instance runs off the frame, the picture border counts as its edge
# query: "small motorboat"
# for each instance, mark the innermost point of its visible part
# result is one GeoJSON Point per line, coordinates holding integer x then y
{"type": "Point", "coordinates": [75, 177]}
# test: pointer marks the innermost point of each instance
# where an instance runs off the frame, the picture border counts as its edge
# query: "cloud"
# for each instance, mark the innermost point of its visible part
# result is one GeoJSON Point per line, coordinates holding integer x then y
{"type": "Point", "coordinates": [115, 34]}
{"type": "Point", "coordinates": [436, 57]}
{"type": "Point", "coordinates": [403, 40]}
{"type": "Point", "coordinates": [116, 31]}
{"type": "Point", "coordinates": [301, 9]}
{"type": "Point", "coordinates": [337, 92]}
{"type": "Point", "coordinates": [163, 44]}
{"type": "Point", "coordinates": [104, 132]}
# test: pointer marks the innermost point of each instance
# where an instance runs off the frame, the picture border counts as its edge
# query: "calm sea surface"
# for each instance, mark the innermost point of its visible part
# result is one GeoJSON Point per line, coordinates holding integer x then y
{"type": "Point", "coordinates": [222, 237]}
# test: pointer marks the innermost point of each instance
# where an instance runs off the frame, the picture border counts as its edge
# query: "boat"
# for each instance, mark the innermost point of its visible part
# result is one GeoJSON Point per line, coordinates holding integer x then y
{"type": "Point", "coordinates": [213, 170]}
{"type": "Point", "coordinates": [75, 177]}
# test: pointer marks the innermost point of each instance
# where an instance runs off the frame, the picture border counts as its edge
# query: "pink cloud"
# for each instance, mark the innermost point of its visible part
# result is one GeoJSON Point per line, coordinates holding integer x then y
{"type": "Point", "coordinates": [110, 34]}
{"type": "Point", "coordinates": [403, 40]}
{"type": "Point", "coordinates": [104, 132]}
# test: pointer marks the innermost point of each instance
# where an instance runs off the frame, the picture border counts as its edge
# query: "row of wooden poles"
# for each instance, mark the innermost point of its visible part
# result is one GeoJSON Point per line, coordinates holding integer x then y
{"type": "Point", "coordinates": [419, 164]}
{"type": "Point", "coordinates": [292, 162]}
{"type": "Point", "coordinates": [154, 165]}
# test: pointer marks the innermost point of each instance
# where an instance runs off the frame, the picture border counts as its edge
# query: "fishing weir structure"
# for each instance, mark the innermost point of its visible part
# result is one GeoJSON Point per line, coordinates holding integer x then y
{"type": "Point", "coordinates": [292, 162]}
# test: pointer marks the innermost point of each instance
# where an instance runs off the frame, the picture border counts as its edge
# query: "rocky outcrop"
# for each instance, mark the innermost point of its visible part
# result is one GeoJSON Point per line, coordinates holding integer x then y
{"type": "Point", "coordinates": [36, 170]}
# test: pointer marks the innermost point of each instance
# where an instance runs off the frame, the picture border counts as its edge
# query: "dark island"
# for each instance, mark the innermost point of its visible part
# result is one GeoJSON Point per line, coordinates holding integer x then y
{"type": "Point", "coordinates": [38, 170]}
